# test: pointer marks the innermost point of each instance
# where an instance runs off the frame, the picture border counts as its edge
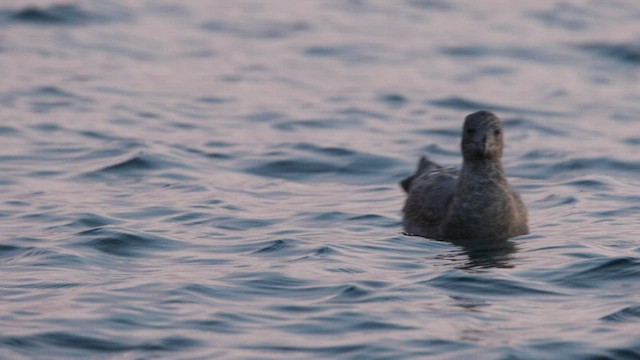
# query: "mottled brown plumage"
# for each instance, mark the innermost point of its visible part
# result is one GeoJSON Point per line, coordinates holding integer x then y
{"type": "Point", "coordinates": [476, 202]}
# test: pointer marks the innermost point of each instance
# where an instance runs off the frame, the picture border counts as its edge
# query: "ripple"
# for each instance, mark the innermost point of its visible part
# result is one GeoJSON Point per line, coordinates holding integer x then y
{"type": "Point", "coordinates": [44, 99]}
{"type": "Point", "coordinates": [460, 103]}
{"type": "Point", "coordinates": [38, 256]}
{"type": "Point", "coordinates": [191, 218]}
{"type": "Point", "coordinates": [351, 53]}
{"type": "Point", "coordinates": [576, 167]}
{"type": "Point", "coordinates": [212, 325]}
{"type": "Point", "coordinates": [94, 344]}
{"type": "Point", "coordinates": [140, 162]}
{"type": "Point", "coordinates": [49, 285]}
{"type": "Point", "coordinates": [8, 131]}
{"type": "Point", "coordinates": [541, 154]}
{"type": "Point", "coordinates": [325, 251]}
{"type": "Point", "coordinates": [54, 15]}
{"type": "Point", "coordinates": [293, 125]}
{"type": "Point", "coordinates": [217, 292]}
{"type": "Point", "coordinates": [65, 15]}
{"type": "Point", "coordinates": [351, 293]}
{"type": "Point", "coordinates": [356, 113]}
{"type": "Point", "coordinates": [138, 165]}
{"type": "Point", "coordinates": [274, 246]}
{"type": "Point", "coordinates": [328, 216]}
{"type": "Point", "coordinates": [466, 283]}
{"type": "Point", "coordinates": [553, 200]}
{"type": "Point", "coordinates": [212, 100]}
{"type": "Point", "coordinates": [9, 251]}
{"type": "Point", "coordinates": [443, 132]}
{"type": "Point", "coordinates": [330, 123]}
{"type": "Point", "coordinates": [342, 323]}
{"type": "Point", "coordinates": [589, 183]}
{"type": "Point", "coordinates": [241, 224]}
{"type": "Point", "coordinates": [321, 162]}
{"type": "Point", "coordinates": [437, 5]}
{"type": "Point", "coordinates": [436, 347]}
{"type": "Point", "coordinates": [565, 15]}
{"type": "Point", "coordinates": [333, 350]}
{"type": "Point", "coordinates": [526, 124]}
{"type": "Point", "coordinates": [314, 148]}
{"type": "Point", "coordinates": [294, 169]}
{"type": "Point", "coordinates": [628, 314]}
{"type": "Point", "coordinates": [635, 141]}
{"type": "Point", "coordinates": [257, 28]}
{"type": "Point", "coordinates": [592, 273]}
{"type": "Point", "coordinates": [618, 213]}
{"type": "Point", "coordinates": [265, 116]}
{"type": "Point", "coordinates": [624, 53]}
{"type": "Point", "coordinates": [89, 220]}
{"type": "Point", "coordinates": [122, 242]}
{"type": "Point", "coordinates": [298, 309]}
{"type": "Point", "coordinates": [395, 100]}
{"type": "Point", "coordinates": [511, 52]}
{"type": "Point", "coordinates": [598, 163]}
{"type": "Point", "coordinates": [278, 285]}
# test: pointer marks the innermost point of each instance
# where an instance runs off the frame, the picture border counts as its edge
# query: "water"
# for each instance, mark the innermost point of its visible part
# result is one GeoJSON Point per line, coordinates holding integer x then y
{"type": "Point", "coordinates": [198, 180]}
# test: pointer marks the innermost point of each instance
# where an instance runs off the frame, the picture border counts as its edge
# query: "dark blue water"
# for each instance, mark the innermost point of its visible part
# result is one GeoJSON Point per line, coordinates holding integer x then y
{"type": "Point", "coordinates": [199, 179]}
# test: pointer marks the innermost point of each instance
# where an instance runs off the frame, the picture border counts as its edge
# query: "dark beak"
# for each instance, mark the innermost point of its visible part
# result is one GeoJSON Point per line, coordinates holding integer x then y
{"type": "Point", "coordinates": [481, 144]}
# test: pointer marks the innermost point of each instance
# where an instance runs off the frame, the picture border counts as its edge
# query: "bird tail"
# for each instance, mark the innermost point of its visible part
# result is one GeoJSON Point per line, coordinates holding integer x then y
{"type": "Point", "coordinates": [424, 165]}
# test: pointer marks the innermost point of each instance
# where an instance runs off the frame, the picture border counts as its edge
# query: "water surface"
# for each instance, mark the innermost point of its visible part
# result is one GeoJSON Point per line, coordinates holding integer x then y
{"type": "Point", "coordinates": [198, 179]}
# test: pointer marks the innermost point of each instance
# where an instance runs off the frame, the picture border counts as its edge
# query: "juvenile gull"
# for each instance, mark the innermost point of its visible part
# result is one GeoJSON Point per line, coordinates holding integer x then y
{"type": "Point", "coordinates": [475, 202]}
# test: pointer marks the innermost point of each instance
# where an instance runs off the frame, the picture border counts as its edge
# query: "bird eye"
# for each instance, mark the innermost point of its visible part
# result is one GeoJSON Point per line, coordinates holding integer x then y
{"type": "Point", "coordinates": [471, 131]}
{"type": "Point", "coordinates": [497, 132]}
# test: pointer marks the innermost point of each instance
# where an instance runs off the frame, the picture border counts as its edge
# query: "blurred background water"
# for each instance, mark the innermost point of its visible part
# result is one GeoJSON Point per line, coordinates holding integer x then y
{"type": "Point", "coordinates": [218, 179]}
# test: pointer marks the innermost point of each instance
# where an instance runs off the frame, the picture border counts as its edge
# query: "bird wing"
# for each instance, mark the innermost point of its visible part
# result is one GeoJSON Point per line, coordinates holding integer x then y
{"type": "Point", "coordinates": [424, 166]}
{"type": "Point", "coordinates": [430, 191]}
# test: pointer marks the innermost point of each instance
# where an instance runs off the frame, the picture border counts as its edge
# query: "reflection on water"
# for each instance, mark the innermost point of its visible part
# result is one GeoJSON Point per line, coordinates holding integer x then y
{"type": "Point", "coordinates": [478, 254]}
{"type": "Point", "coordinates": [488, 253]}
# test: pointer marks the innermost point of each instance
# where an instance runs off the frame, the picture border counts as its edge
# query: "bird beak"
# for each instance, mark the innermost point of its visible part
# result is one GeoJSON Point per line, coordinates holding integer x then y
{"type": "Point", "coordinates": [481, 144]}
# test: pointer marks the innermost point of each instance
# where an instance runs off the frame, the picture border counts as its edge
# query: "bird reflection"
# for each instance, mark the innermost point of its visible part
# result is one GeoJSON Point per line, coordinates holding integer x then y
{"type": "Point", "coordinates": [483, 254]}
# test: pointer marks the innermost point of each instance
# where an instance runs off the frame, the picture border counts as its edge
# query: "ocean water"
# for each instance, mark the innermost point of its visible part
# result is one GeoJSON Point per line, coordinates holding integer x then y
{"type": "Point", "coordinates": [219, 179]}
